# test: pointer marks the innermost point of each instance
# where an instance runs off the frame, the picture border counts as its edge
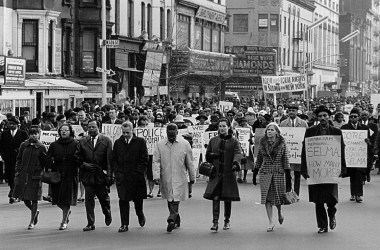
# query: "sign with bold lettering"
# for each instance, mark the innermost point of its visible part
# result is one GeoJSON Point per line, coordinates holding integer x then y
{"type": "Point", "coordinates": [210, 15]}
{"type": "Point", "coordinates": [225, 106]}
{"type": "Point", "coordinates": [151, 136]}
{"type": "Point", "coordinates": [208, 135]}
{"type": "Point", "coordinates": [243, 138]}
{"type": "Point", "coordinates": [112, 131]}
{"type": "Point", "coordinates": [293, 137]}
{"type": "Point", "coordinates": [323, 159]}
{"type": "Point", "coordinates": [356, 148]}
{"type": "Point", "coordinates": [48, 137]}
{"type": "Point", "coordinates": [198, 135]}
{"type": "Point", "coordinates": [255, 64]}
{"type": "Point", "coordinates": [281, 84]}
{"type": "Point", "coordinates": [15, 71]}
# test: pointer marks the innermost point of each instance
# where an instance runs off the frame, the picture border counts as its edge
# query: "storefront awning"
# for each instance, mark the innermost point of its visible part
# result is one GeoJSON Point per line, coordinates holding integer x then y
{"type": "Point", "coordinates": [48, 84]}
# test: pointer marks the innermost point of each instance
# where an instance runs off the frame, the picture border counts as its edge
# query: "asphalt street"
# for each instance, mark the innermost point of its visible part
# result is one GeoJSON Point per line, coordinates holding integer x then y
{"type": "Point", "coordinates": [358, 225]}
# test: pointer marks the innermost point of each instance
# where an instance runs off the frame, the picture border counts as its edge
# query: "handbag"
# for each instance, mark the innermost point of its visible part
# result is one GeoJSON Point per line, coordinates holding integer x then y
{"type": "Point", "coordinates": [51, 177]}
{"type": "Point", "coordinates": [291, 197]}
{"type": "Point", "coordinates": [207, 169]}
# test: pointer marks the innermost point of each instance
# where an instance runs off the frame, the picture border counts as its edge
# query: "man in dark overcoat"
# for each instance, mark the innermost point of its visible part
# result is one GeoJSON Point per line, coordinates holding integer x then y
{"type": "Point", "coordinates": [357, 175]}
{"type": "Point", "coordinates": [129, 162]}
{"type": "Point", "coordinates": [326, 192]}
{"type": "Point", "coordinates": [10, 142]}
{"type": "Point", "coordinates": [93, 154]}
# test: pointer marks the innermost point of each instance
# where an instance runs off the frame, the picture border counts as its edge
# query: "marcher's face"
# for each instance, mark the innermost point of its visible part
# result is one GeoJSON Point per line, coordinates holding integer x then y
{"type": "Point", "coordinates": [93, 129]}
{"type": "Point", "coordinates": [12, 125]}
{"type": "Point", "coordinates": [81, 116]}
{"type": "Point", "coordinates": [65, 132]}
{"type": "Point", "coordinates": [323, 118]}
{"type": "Point", "coordinates": [34, 137]}
{"type": "Point", "coordinates": [292, 113]}
{"type": "Point", "coordinates": [181, 112]}
{"type": "Point", "coordinates": [171, 134]}
{"type": "Point", "coordinates": [127, 132]}
{"type": "Point", "coordinates": [354, 118]}
{"type": "Point", "coordinates": [271, 132]}
{"type": "Point", "coordinates": [364, 117]}
{"type": "Point", "coordinates": [340, 118]}
{"type": "Point", "coordinates": [223, 128]}
{"type": "Point", "coordinates": [112, 114]}
{"type": "Point", "coordinates": [370, 109]}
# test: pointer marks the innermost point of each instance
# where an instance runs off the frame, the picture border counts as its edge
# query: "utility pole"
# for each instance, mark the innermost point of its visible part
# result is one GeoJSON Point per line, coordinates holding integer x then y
{"type": "Point", "coordinates": [104, 54]}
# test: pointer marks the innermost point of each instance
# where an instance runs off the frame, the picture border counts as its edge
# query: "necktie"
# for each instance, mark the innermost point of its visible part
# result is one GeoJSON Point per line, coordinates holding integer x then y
{"type": "Point", "coordinates": [92, 141]}
{"type": "Point", "coordinates": [292, 123]}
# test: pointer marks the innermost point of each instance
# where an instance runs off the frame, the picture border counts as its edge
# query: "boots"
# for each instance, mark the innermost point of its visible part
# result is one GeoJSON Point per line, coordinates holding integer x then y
{"type": "Point", "coordinates": [227, 214]}
{"type": "Point", "coordinates": [215, 214]}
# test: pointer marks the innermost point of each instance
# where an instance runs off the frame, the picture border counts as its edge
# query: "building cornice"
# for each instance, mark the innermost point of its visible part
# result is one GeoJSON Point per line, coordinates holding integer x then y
{"type": "Point", "coordinates": [305, 4]}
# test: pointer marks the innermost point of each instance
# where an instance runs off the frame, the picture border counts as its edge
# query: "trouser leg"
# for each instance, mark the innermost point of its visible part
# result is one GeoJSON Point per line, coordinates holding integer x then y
{"type": "Point", "coordinates": [321, 214]}
{"type": "Point", "coordinates": [139, 207]}
{"type": "Point", "coordinates": [227, 210]}
{"type": "Point", "coordinates": [90, 204]}
{"type": "Point", "coordinates": [124, 212]}
{"type": "Point", "coordinates": [104, 199]}
{"type": "Point", "coordinates": [297, 182]}
{"type": "Point", "coordinates": [215, 211]}
{"type": "Point", "coordinates": [331, 209]}
{"type": "Point", "coordinates": [173, 211]}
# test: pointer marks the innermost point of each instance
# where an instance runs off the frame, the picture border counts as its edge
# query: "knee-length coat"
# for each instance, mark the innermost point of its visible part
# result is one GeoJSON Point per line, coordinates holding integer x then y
{"type": "Point", "coordinates": [62, 153]}
{"type": "Point", "coordinates": [223, 152]}
{"type": "Point", "coordinates": [30, 163]}
{"type": "Point", "coordinates": [273, 164]}
{"type": "Point", "coordinates": [129, 163]}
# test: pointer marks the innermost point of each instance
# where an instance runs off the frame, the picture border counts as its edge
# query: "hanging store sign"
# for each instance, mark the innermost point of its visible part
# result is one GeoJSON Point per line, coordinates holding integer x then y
{"type": "Point", "coordinates": [255, 64]}
{"type": "Point", "coordinates": [281, 84]}
{"type": "Point", "coordinates": [14, 71]}
{"type": "Point", "coordinates": [210, 15]}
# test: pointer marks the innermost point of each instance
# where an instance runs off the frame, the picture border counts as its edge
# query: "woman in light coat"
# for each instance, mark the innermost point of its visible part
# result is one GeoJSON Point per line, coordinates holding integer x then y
{"type": "Point", "coordinates": [273, 163]}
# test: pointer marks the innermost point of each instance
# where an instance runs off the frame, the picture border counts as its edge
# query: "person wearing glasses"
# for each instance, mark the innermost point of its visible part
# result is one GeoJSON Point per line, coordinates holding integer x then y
{"type": "Point", "coordinates": [324, 193]}
{"type": "Point", "coordinates": [357, 175]}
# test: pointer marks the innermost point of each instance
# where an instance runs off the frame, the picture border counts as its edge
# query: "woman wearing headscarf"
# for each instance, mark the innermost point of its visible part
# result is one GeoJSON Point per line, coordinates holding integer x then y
{"type": "Point", "coordinates": [61, 159]}
{"type": "Point", "coordinates": [273, 165]}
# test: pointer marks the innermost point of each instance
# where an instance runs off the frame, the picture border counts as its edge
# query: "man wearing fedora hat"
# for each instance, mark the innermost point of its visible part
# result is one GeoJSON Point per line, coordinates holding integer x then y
{"type": "Point", "coordinates": [10, 142]}
{"type": "Point", "coordinates": [202, 118]}
{"type": "Point", "coordinates": [325, 192]}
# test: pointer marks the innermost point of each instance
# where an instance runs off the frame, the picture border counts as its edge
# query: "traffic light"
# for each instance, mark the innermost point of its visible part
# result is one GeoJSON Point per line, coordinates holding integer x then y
{"type": "Point", "coordinates": [338, 63]}
{"type": "Point", "coordinates": [345, 62]}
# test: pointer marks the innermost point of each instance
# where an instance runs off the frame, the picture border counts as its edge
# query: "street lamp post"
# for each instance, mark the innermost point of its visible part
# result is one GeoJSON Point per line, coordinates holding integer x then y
{"type": "Point", "coordinates": [104, 54]}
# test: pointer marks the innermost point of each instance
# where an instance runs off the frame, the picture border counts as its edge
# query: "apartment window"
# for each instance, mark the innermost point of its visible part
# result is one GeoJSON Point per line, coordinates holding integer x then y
{"type": "Point", "coordinates": [66, 46]}
{"type": "Point", "coordinates": [130, 10]}
{"type": "Point", "coordinates": [283, 56]}
{"type": "Point", "coordinates": [215, 39]}
{"type": "Point", "coordinates": [207, 36]}
{"type": "Point", "coordinates": [143, 17]}
{"type": "Point", "coordinates": [30, 44]}
{"type": "Point", "coordinates": [263, 21]}
{"type": "Point", "coordinates": [285, 25]}
{"type": "Point", "coordinates": [89, 52]}
{"type": "Point", "coordinates": [162, 23]}
{"type": "Point", "coordinates": [183, 31]}
{"type": "Point", "coordinates": [149, 23]}
{"type": "Point", "coordinates": [198, 30]}
{"type": "Point", "coordinates": [169, 24]}
{"type": "Point", "coordinates": [288, 57]}
{"type": "Point", "coordinates": [240, 23]}
{"type": "Point", "coordinates": [50, 47]}
{"type": "Point", "coordinates": [274, 22]}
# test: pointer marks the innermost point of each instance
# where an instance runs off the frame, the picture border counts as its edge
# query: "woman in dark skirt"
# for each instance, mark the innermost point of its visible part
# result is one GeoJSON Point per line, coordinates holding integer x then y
{"type": "Point", "coordinates": [223, 151]}
{"type": "Point", "coordinates": [61, 159]}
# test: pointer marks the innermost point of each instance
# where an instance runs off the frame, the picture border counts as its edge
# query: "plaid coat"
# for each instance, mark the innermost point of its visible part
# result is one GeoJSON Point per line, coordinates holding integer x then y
{"type": "Point", "coordinates": [272, 165]}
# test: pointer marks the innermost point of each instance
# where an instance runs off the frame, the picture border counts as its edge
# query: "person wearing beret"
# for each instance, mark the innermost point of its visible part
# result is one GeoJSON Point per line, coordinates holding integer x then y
{"type": "Point", "coordinates": [324, 193]}
{"type": "Point", "coordinates": [357, 175]}
{"type": "Point", "coordinates": [10, 142]}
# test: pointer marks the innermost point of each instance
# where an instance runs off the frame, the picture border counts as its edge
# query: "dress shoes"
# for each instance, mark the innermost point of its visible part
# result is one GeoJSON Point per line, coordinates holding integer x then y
{"type": "Point", "coordinates": [332, 223]}
{"type": "Point", "coordinates": [31, 226]}
{"type": "Point", "coordinates": [36, 217]}
{"type": "Point", "coordinates": [123, 228]}
{"type": "Point", "coordinates": [226, 225]}
{"type": "Point", "coordinates": [215, 227]}
{"type": "Point", "coordinates": [170, 227]}
{"type": "Point", "coordinates": [142, 220]}
{"type": "Point", "coordinates": [323, 230]}
{"type": "Point", "coordinates": [89, 228]}
{"type": "Point", "coordinates": [281, 219]}
{"type": "Point", "coordinates": [359, 199]}
{"type": "Point", "coordinates": [63, 226]}
{"type": "Point", "coordinates": [11, 200]}
{"type": "Point", "coordinates": [108, 218]}
{"type": "Point", "coordinates": [352, 198]}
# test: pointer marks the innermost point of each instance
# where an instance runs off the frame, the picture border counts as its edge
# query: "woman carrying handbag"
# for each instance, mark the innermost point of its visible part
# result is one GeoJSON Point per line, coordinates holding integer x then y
{"type": "Point", "coordinates": [223, 151]}
{"type": "Point", "coordinates": [273, 165]}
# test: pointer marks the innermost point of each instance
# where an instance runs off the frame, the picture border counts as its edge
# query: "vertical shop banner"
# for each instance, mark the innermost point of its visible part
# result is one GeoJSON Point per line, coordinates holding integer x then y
{"type": "Point", "coordinates": [244, 136]}
{"type": "Point", "coordinates": [112, 131]}
{"type": "Point", "coordinates": [323, 159]}
{"type": "Point", "coordinates": [356, 148]}
{"type": "Point", "coordinates": [225, 106]}
{"type": "Point", "coordinates": [293, 137]}
{"type": "Point", "coordinates": [151, 136]}
{"type": "Point", "coordinates": [48, 137]}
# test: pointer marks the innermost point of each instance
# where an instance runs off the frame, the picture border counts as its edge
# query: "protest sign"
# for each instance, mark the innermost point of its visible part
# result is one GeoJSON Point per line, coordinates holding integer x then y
{"type": "Point", "coordinates": [112, 131]}
{"type": "Point", "coordinates": [47, 137]}
{"type": "Point", "coordinates": [243, 138]}
{"type": "Point", "coordinates": [293, 137]}
{"type": "Point", "coordinates": [356, 148]}
{"type": "Point", "coordinates": [281, 84]}
{"type": "Point", "coordinates": [196, 157]}
{"type": "Point", "coordinates": [208, 135]}
{"type": "Point", "coordinates": [259, 133]}
{"type": "Point", "coordinates": [151, 136]}
{"type": "Point", "coordinates": [225, 106]}
{"type": "Point", "coordinates": [78, 129]}
{"type": "Point", "coordinates": [198, 135]}
{"type": "Point", "coordinates": [323, 159]}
